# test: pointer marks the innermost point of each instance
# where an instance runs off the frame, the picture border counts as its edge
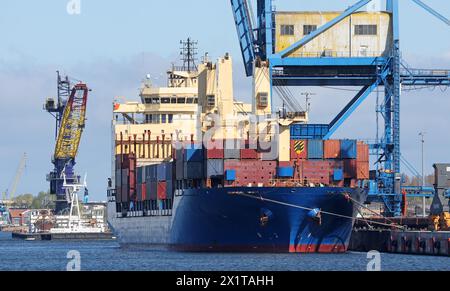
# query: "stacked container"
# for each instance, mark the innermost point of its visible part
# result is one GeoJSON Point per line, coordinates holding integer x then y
{"type": "Point", "coordinates": [193, 162]}
{"type": "Point", "coordinates": [362, 159]}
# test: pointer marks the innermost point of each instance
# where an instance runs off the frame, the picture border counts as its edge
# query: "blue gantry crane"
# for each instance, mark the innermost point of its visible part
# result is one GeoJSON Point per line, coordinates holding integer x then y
{"type": "Point", "coordinates": [370, 72]}
{"type": "Point", "coordinates": [69, 111]}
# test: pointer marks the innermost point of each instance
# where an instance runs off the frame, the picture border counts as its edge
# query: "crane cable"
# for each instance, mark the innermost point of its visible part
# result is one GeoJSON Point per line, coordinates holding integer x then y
{"type": "Point", "coordinates": [322, 212]}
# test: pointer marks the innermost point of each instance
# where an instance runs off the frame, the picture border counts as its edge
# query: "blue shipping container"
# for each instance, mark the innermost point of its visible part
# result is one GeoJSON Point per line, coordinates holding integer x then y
{"type": "Point", "coordinates": [338, 174]}
{"type": "Point", "coordinates": [230, 175]}
{"type": "Point", "coordinates": [315, 149]}
{"type": "Point", "coordinates": [348, 149]}
{"type": "Point", "coordinates": [162, 171]}
{"type": "Point", "coordinates": [193, 153]}
{"type": "Point", "coordinates": [285, 172]}
{"type": "Point", "coordinates": [308, 131]}
{"type": "Point", "coordinates": [151, 173]}
{"type": "Point", "coordinates": [193, 170]}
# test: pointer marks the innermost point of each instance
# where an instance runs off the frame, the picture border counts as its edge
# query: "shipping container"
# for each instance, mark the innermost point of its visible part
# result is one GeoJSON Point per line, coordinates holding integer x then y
{"type": "Point", "coordinates": [348, 149]}
{"type": "Point", "coordinates": [362, 171]}
{"type": "Point", "coordinates": [124, 176]}
{"type": "Point", "coordinates": [308, 131]}
{"type": "Point", "coordinates": [230, 175]}
{"type": "Point", "coordinates": [169, 192]}
{"type": "Point", "coordinates": [118, 162]}
{"type": "Point", "coordinates": [315, 149]}
{"type": "Point", "coordinates": [214, 167]}
{"type": "Point", "coordinates": [299, 149]}
{"type": "Point", "coordinates": [140, 175]}
{"type": "Point", "coordinates": [144, 191]}
{"type": "Point", "coordinates": [285, 172]}
{"type": "Point", "coordinates": [362, 152]}
{"type": "Point", "coordinates": [350, 170]}
{"type": "Point", "coordinates": [179, 155]}
{"type": "Point", "coordinates": [214, 149]}
{"type": "Point", "coordinates": [232, 153]}
{"type": "Point", "coordinates": [179, 170]}
{"type": "Point", "coordinates": [162, 190]}
{"type": "Point", "coordinates": [331, 149]}
{"type": "Point", "coordinates": [193, 170]}
{"type": "Point", "coordinates": [193, 153]}
{"type": "Point", "coordinates": [163, 171]}
{"type": "Point", "coordinates": [151, 190]}
{"type": "Point", "coordinates": [251, 171]}
{"type": "Point", "coordinates": [315, 171]}
{"type": "Point", "coordinates": [119, 194]}
{"type": "Point", "coordinates": [139, 192]}
{"type": "Point", "coordinates": [151, 173]}
{"type": "Point", "coordinates": [249, 154]}
{"type": "Point", "coordinates": [338, 175]}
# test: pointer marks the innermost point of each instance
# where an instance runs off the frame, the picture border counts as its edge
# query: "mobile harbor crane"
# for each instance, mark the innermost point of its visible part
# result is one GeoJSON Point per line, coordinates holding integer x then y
{"type": "Point", "coordinates": [69, 111]}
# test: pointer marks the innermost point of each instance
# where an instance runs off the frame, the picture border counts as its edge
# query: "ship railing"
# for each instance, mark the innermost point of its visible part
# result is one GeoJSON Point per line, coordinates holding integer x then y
{"type": "Point", "coordinates": [296, 183]}
{"type": "Point", "coordinates": [338, 54]}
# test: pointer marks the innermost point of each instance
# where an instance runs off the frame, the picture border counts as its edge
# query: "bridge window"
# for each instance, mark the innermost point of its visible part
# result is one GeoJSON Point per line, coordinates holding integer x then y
{"type": "Point", "coordinates": [366, 29]}
{"type": "Point", "coordinates": [165, 100]}
{"type": "Point", "coordinates": [287, 30]}
{"type": "Point", "coordinates": [307, 29]}
{"type": "Point", "coordinates": [211, 100]}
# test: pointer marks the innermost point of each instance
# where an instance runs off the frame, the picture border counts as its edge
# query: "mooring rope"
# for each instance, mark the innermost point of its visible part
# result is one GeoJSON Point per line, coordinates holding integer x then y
{"type": "Point", "coordinates": [323, 212]}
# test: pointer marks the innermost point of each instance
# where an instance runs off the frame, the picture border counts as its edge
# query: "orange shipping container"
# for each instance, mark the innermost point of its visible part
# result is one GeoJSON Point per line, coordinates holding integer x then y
{"type": "Point", "coordinates": [332, 149]}
{"type": "Point", "coordinates": [362, 152]}
{"type": "Point", "coordinates": [144, 191]}
{"type": "Point", "coordinates": [299, 149]}
{"type": "Point", "coordinates": [362, 171]}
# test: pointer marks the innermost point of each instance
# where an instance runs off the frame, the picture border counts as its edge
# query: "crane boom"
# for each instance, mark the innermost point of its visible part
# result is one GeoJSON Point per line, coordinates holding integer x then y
{"type": "Point", "coordinates": [9, 194]}
{"type": "Point", "coordinates": [72, 124]}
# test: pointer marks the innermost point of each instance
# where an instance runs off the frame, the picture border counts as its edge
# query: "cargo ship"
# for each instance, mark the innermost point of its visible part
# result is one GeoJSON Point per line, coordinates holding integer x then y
{"type": "Point", "coordinates": [195, 170]}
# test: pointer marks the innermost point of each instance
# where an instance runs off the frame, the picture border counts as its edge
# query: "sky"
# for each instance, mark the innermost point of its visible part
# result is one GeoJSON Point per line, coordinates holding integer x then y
{"type": "Point", "coordinates": [112, 45]}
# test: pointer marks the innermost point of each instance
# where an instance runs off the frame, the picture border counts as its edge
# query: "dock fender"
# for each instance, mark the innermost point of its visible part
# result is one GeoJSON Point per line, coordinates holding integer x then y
{"type": "Point", "coordinates": [436, 244]}
{"type": "Point", "coordinates": [404, 241]}
{"type": "Point", "coordinates": [393, 244]}
{"type": "Point", "coordinates": [408, 245]}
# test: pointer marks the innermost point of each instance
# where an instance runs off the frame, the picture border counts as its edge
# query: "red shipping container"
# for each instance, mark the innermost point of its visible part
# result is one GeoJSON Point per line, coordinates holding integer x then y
{"type": "Point", "coordinates": [299, 149]}
{"type": "Point", "coordinates": [362, 171]}
{"type": "Point", "coordinates": [249, 154]}
{"type": "Point", "coordinates": [350, 169]}
{"type": "Point", "coordinates": [332, 149]}
{"type": "Point", "coordinates": [314, 171]}
{"type": "Point", "coordinates": [144, 191]}
{"type": "Point", "coordinates": [162, 190]}
{"type": "Point", "coordinates": [362, 152]}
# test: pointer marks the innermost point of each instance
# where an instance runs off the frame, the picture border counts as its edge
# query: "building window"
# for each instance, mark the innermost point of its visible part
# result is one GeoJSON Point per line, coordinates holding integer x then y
{"type": "Point", "coordinates": [366, 29]}
{"type": "Point", "coordinates": [173, 100]}
{"type": "Point", "coordinates": [307, 29]}
{"type": "Point", "coordinates": [190, 101]}
{"type": "Point", "coordinates": [287, 30]}
{"type": "Point", "coordinates": [181, 101]}
{"type": "Point", "coordinates": [263, 99]}
{"type": "Point", "coordinates": [211, 100]}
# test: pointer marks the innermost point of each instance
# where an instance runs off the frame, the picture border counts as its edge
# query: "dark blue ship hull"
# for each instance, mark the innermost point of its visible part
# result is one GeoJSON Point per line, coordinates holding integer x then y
{"type": "Point", "coordinates": [242, 220]}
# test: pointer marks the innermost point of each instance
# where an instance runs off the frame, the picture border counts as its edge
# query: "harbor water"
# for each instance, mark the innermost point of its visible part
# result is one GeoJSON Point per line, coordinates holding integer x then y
{"type": "Point", "coordinates": [18, 255]}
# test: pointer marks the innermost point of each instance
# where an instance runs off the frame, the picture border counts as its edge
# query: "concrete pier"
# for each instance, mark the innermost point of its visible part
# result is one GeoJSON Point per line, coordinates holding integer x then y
{"type": "Point", "coordinates": [401, 242]}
